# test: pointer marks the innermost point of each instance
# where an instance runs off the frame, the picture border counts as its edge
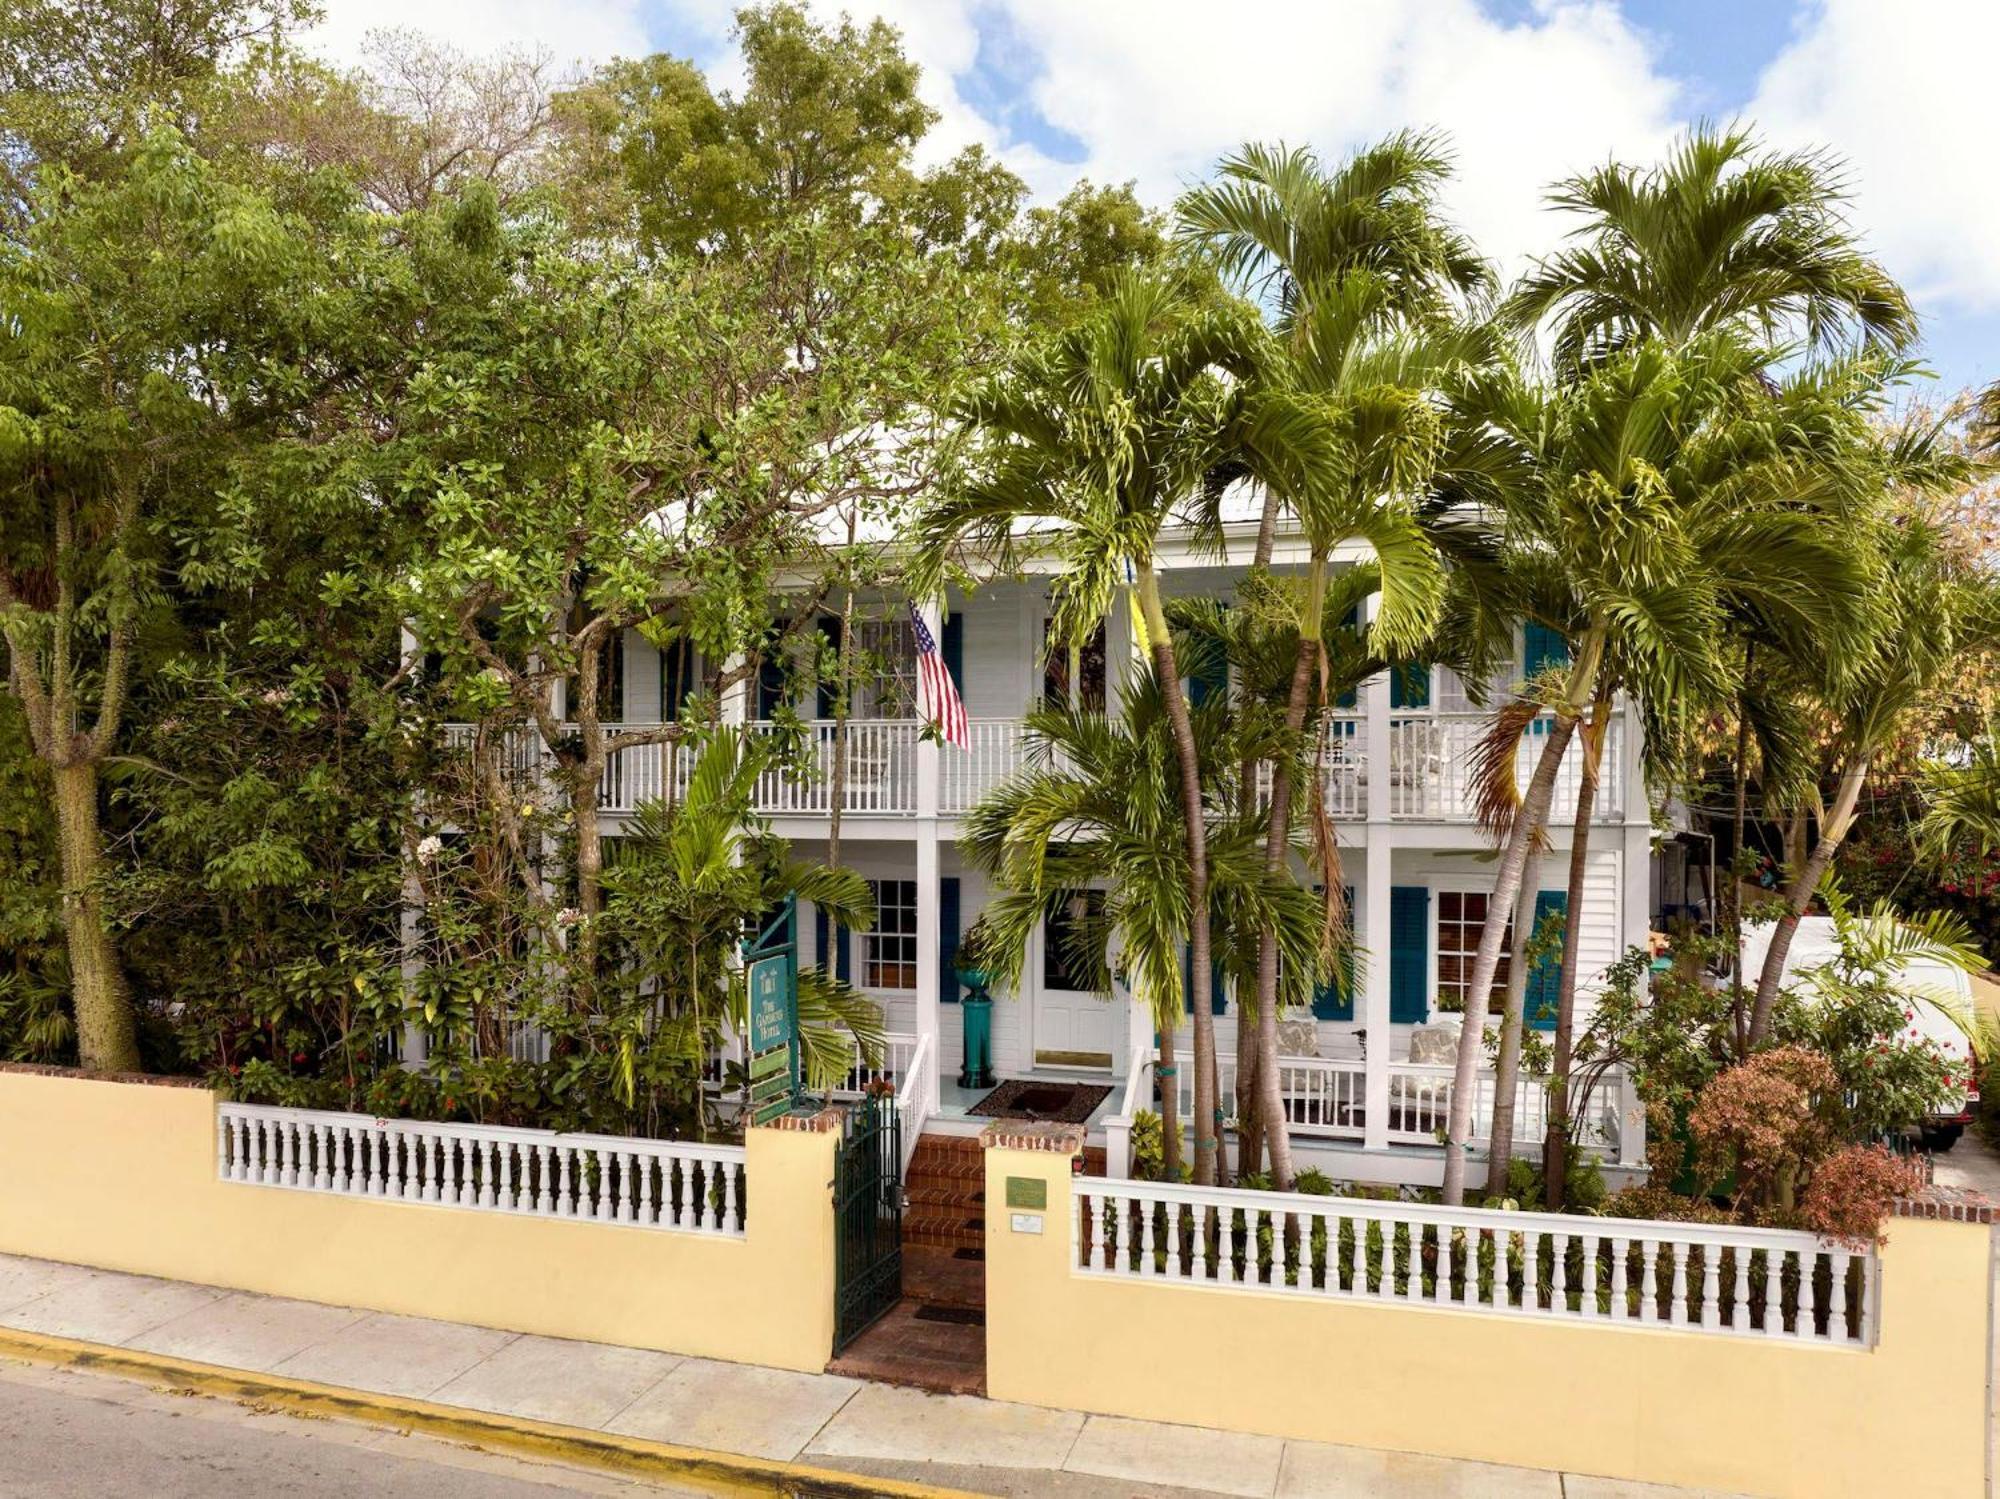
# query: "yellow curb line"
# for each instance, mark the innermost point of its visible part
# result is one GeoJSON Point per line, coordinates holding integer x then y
{"type": "Point", "coordinates": [718, 1473]}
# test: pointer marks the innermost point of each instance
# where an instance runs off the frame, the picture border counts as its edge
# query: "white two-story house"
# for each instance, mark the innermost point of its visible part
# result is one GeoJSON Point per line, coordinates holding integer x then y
{"type": "Point", "coordinates": [1418, 866]}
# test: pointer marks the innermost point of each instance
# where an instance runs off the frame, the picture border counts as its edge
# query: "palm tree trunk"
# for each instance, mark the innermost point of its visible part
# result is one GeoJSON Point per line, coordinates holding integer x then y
{"type": "Point", "coordinates": [107, 1036]}
{"type": "Point", "coordinates": [1166, 1079]}
{"type": "Point", "coordinates": [1249, 1122]}
{"type": "Point", "coordinates": [1555, 1148]}
{"type": "Point", "coordinates": [1507, 1064]}
{"type": "Point", "coordinates": [1738, 826]}
{"type": "Point", "coordinates": [1207, 1109]}
{"type": "Point", "coordinates": [1527, 828]}
{"type": "Point", "coordinates": [1832, 830]}
{"type": "Point", "coordinates": [1277, 849]}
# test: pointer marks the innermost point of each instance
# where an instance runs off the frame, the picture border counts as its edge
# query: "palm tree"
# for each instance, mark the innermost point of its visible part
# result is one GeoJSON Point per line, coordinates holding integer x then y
{"type": "Point", "coordinates": [1931, 603]}
{"type": "Point", "coordinates": [1720, 237]}
{"type": "Point", "coordinates": [1099, 806]}
{"type": "Point", "coordinates": [1364, 276]}
{"type": "Point", "coordinates": [1093, 443]}
{"type": "Point", "coordinates": [1625, 518]}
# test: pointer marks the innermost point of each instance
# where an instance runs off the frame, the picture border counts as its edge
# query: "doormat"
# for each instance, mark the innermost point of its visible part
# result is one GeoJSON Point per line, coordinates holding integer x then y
{"type": "Point", "coordinates": [1057, 1103]}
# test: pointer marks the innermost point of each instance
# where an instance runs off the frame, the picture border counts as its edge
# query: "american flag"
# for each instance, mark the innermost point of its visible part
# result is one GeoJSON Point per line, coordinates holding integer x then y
{"type": "Point", "coordinates": [937, 693]}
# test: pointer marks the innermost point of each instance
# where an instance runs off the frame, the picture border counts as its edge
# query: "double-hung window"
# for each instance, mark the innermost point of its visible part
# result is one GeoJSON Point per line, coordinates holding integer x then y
{"type": "Point", "coordinates": [889, 952]}
{"type": "Point", "coordinates": [1462, 916]}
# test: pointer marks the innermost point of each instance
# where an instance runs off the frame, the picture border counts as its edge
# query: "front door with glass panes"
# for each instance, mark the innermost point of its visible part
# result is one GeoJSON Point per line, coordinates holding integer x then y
{"type": "Point", "coordinates": [1074, 1026]}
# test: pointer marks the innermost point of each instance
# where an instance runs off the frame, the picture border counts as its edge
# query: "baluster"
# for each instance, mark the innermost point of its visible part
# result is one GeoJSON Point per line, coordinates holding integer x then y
{"type": "Point", "coordinates": [346, 1159]}
{"type": "Point", "coordinates": [1588, 1247]}
{"type": "Point", "coordinates": [606, 1202]}
{"type": "Point", "coordinates": [648, 1211]}
{"type": "Point", "coordinates": [453, 1190]}
{"type": "Point", "coordinates": [258, 1151]}
{"type": "Point", "coordinates": [728, 1215]}
{"type": "Point", "coordinates": [1837, 1325]}
{"type": "Point", "coordinates": [239, 1149]}
{"type": "Point", "coordinates": [322, 1148]}
{"type": "Point", "coordinates": [435, 1151]}
{"type": "Point", "coordinates": [1775, 1261]}
{"type": "Point", "coordinates": [631, 1187]}
{"type": "Point", "coordinates": [1621, 1251]}
{"type": "Point", "coordinates": [564, 1206]}
{"type": "Point", "coordinates": [1649, 1280]}
{"type": "Point", "coordinates": [222, 1147]}
{"type": "Point", "coordinates": [1677, 1296]}
{"type": "Point", "coordinates": [1174, 1239]}
{"type": "Point", "coordinates": [491, 1194]}
{"type": "Point", "coordinates": [288, 1152]}
{"type": "Point", "coordinates": [1559, 1297]}
{"type": "Point", "coordinates": [545, 1197]}
{"type": "Point", "coordinates": [1708, 1307]}
{"type": "Point", "coordinates": [1101, 1221]}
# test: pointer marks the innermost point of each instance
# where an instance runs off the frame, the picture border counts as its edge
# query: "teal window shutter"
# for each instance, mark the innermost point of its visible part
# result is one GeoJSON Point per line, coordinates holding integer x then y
{"type": "Point", "coordinates": [1539, 1004]}
{"type": "Point", "coordinates": [1208, 675]}
{"type": "Point", "coordinates": [843, 964]}
{"type": "Point", "coordinates": [1352, 697]}
{"type": "Point", "coordinates": [829, 687]}
{"type": "Point", "coordinates": [1540, 647]}
{"type": "Point", "coordinates": [1409, 953]}
{"type": "Point", "coordinates": [1218, 986]}
{"type": "Point", "coordinates": [677, 678]}
{"type": "Point", "coordinates": [953, 647]}
{"type": "Point", "coordinates": [1335, 1001]}
{"type": "Point", "coordinates": [948, 939]}
{"type": "Point", "coordinates": [770, 686]}
{"type": "Point", "coordinates": [820, 952]}
{"type": "Point", "coordinates": [840, 959]}
{"type": "Point", "coordinates": [1410, 685]}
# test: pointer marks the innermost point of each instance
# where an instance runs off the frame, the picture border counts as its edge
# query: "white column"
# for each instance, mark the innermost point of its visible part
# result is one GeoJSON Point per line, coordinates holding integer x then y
{"type": "Point", "coordinates": [928, 977]}
{"type": "Point", "coordinates": [928, 749]}
{"type": "Point", "coordinates": [1375, 904]}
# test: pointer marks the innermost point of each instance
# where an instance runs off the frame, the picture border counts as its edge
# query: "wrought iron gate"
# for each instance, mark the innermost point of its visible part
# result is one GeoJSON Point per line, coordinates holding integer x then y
{"type": "Point", "coordinates": [868, 1217]}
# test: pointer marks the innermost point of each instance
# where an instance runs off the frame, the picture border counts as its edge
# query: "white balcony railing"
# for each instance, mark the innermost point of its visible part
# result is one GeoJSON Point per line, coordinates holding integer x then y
{"type": "Point", "coordinates": [1431, 758]}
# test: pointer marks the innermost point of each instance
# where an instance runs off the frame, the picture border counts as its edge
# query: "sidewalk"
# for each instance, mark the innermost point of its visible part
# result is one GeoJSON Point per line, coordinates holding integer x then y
{"type": "Point", "coordinates": [822, 1419]}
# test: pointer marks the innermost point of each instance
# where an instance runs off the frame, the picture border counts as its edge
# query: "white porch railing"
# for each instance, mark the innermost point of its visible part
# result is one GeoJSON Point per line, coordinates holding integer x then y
{"type": "Point", "coordinates": [1727, 1280]}
{"type": "Point", "coordinates": [666, 1184]}
{"type": "Point", "coordinates": [1327, 1097]}
{"type": "Point", "coordinates": [995, 749]}
{"type": "Point", "coordinates": [1138, 1095]}
{"type": "Point", "coordinates": [914, 1094]}
{"type": "Point", "coordinates": [1431, 758]}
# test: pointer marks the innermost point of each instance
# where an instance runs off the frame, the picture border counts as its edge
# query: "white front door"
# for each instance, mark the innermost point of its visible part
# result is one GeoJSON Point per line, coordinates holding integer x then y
{"type": "Point", "coordinates": [1073, 1027]}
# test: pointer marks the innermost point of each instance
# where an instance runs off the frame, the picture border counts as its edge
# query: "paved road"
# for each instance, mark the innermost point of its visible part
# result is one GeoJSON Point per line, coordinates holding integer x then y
{"type": "Point", "coordinates": [1969, 1163]}
{"type": "Point", "coordinates": [66, 1434]}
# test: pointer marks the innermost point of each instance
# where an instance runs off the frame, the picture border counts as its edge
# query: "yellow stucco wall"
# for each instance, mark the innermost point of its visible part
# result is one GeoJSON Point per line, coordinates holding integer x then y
{"type": "Point", "coordinates": [122, 1176]}
{"type": "Point", "coordinates": [1909, 1417]}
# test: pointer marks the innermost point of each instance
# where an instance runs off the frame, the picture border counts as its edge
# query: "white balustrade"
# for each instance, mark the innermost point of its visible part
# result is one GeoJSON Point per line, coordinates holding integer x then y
{"type": "Point", "coordinates": [918, 1088]}
{"type": "Point", "coordinates": [1432, 755]}
{"type": "Point", "coordinates": [1327, 1097]}
{"type": "Point", "coordinates": [995, 749]}
{"type": "Point", "coordinates": [1138, 1095]}
{"type": "Point", "coordinates": [666, 1184]}
{"type": "Point", "coordinates": [1723, 1279]}
{"type": "Point", "coordinates": [898, 1052]}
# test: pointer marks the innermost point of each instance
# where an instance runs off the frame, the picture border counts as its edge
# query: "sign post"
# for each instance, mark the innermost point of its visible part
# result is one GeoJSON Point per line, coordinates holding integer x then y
{"type": "Point", "coordinates": [771, 971]}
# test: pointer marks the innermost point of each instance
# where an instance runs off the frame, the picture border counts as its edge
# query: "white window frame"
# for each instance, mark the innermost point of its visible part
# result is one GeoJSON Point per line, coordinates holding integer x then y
{"type": "Point", "coordinates": [888, 685]}
{"type": "Point", "coordinates": [894, 934]}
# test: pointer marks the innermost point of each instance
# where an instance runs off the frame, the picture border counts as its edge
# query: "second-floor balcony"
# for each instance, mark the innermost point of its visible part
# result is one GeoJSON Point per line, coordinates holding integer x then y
{"type": "Point", "coordinates": [1430, 758]}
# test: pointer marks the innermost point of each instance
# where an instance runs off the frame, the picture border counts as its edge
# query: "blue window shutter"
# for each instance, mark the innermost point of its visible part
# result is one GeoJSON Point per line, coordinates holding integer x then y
{"type": "Point", "coordinates": [1351, 698]}
{"type": "Point", "coordinates": [770, 686]}
{"type": "Point", "coordinates": [829, 687]}
{"type": "Point", "coordinates": [1545, 979]}
{"type": "Point", "coordinates": [1540, 647]}
{"type": "Point", "coordinates": [1218, 986]}
{"type": "Point", "coordinates": [1335, 1001]}
{"type": "Point", "coordinates": [953, 649]}
{"type": "Point", "coordinates": [1410, 685]}
{"type": "Point", "coordinates": [820, 953]}
{"type": "Point", "coordinates": [843, 965]}
{"type": "Point", "coordinates": [948, 939]}
{"type": "Point", "coordinates": [1210, 670]}
{"type": "Point", "coordinates": [1409, 953]}
{"type": "Point", "coordinates": [676, 679]}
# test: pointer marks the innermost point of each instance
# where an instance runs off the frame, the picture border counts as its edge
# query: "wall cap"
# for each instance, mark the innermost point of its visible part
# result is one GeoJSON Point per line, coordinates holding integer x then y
{"type": "Point", "coordinates": [1032, 1134]}
{"type": "Point", "coordinates": [145, 1079]}
{"type": "Point", "coordinates": [821, 1122]}
{"type": "Point", "coordinates": [1946, 1204]}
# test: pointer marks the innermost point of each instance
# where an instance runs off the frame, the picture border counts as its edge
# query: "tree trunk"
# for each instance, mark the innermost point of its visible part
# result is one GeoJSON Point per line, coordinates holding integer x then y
{"type": "Point", "coordinates": [1738, 826]}
{"type": "Point", "coordinates": [1249, 1124]}
{"type": "Point", "coordinates": [1207, 1107]}
{"type": "Point", "coordinates": [1555, 1147]}
{"type": "Point", "coordinates": [1528, 823]}
{"type": "Point", "coordinates": [107, 1036]}
{"type": "Point", "coordinates": [1839, 818]}
{"type": "Point", "coordinates": [1507, 1064]}
{"type": "Point", "coordinates": [1277, 850]}
{"type": "Point", "coordinates": [1167, 1083]}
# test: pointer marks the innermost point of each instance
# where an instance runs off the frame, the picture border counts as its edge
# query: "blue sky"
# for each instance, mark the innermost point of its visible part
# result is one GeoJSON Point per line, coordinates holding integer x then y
{"type": "Point", "coordinates": [1153, 91]}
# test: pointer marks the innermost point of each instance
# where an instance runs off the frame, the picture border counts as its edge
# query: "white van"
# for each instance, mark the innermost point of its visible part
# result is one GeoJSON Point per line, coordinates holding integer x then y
{"type": "Point", "coordinates": [1938, 992]}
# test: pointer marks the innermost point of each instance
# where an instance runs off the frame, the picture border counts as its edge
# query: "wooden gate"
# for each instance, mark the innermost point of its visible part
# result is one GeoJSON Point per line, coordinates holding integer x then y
{"type": "Point", "coordinates": [868, 1217]}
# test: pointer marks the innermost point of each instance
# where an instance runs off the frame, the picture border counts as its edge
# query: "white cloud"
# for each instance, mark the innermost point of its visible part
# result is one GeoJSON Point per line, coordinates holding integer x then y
{"type": "Point", "coordinates": [572, 31]}
{"type": "Point", "coordinates": [1906, 94]}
